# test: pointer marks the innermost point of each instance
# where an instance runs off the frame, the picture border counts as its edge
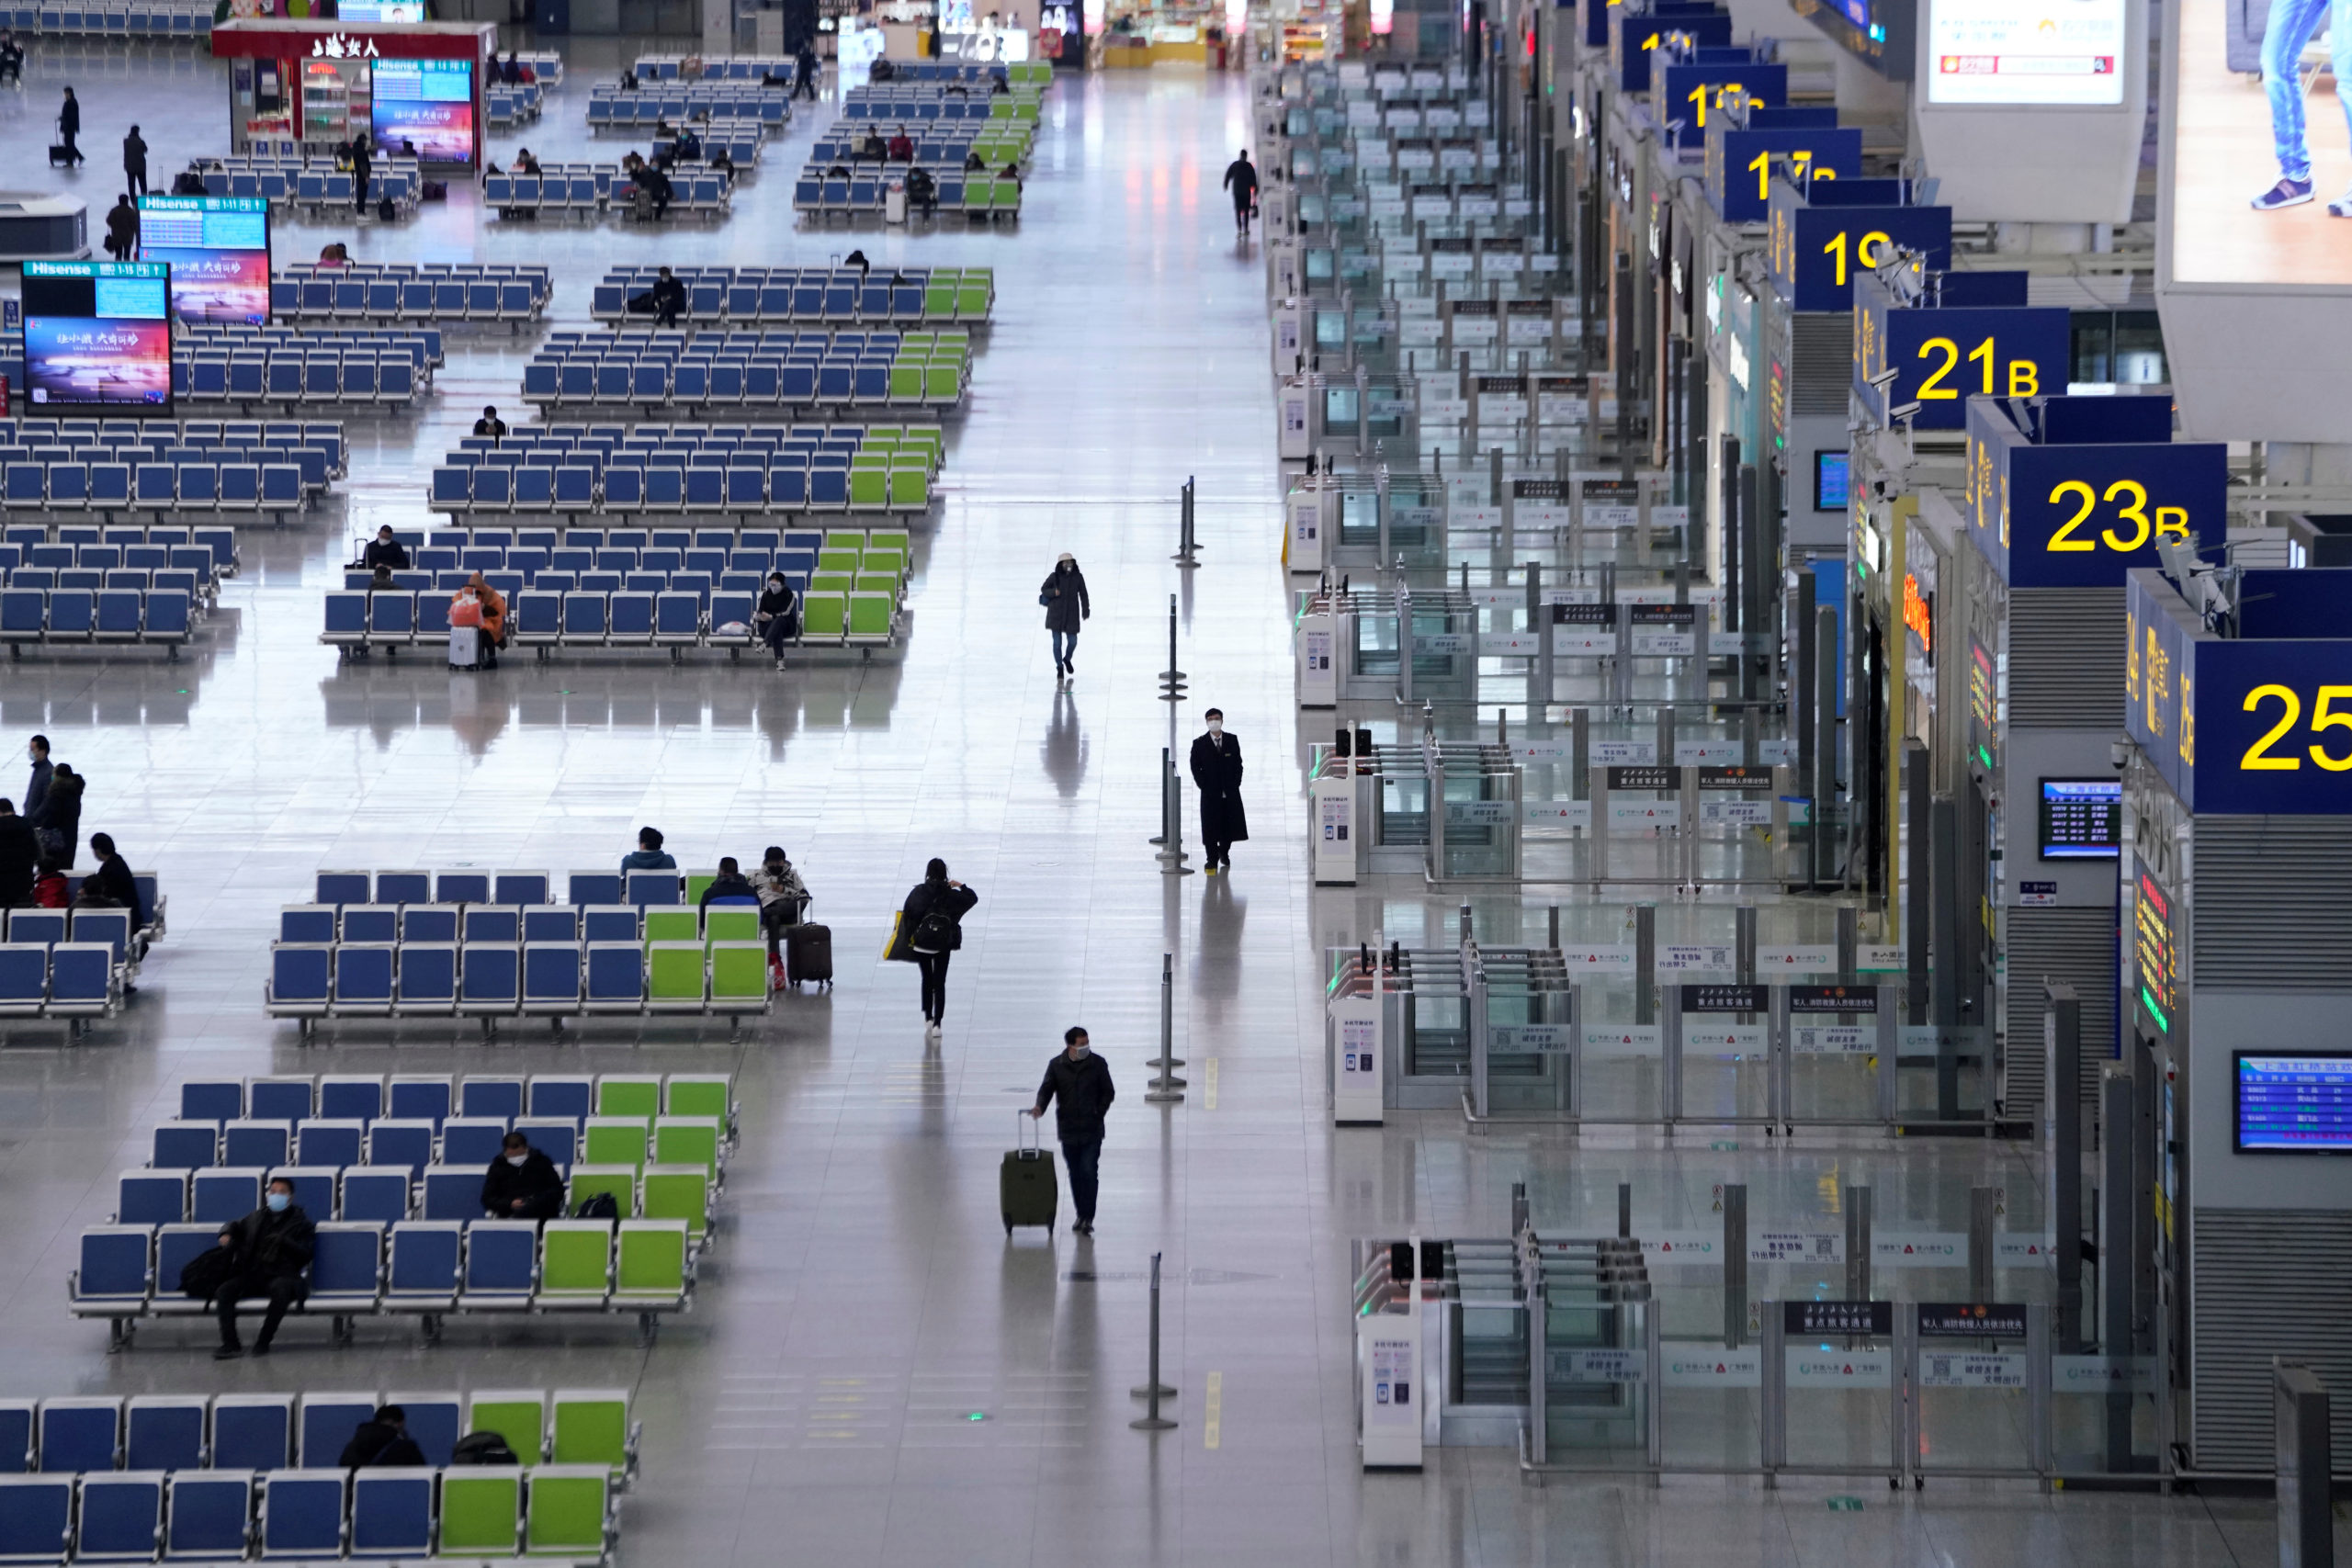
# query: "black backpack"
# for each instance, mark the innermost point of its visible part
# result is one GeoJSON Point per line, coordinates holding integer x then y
{"type": "Point", "coordinates": [385, 210]}
{"type": "Point", "coordinates": [598, 1206]}
{"type": "Point", "coordinates": [482, 1448]}
{"type": "Point", "coordinates": [936, 933]}
{"type": "Point", "coordinates": [204, 1274]}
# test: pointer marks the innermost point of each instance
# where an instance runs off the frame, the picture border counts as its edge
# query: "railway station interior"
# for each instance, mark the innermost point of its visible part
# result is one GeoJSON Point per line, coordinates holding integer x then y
{"type": "Point", "coordinates": [1324, 781]}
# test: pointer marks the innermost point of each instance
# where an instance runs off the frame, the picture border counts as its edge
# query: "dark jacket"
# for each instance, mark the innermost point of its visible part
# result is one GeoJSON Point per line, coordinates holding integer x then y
{"type": "Point", "coordinates": [1241, 178]}
{"type": "Point", "coordinates": [503, 1183]}
{"type": "Point", "coordinates": [1216, 773]}
{"type": "Point", "coordinates": [782, 602]}
{"type": "Point", "coordinates": [60, 811]}
{"type": "Point", "coordinates": [649, 859]}
{"type": "Point", "coordinates": [379, 1442]}
{"type": "Point", "coordinates": [1067, 603]}
{"type": "Point", "coordinates": [385, 552]}
{"type": "Point", "coordinates": [728, 887]}
{"type": "Point", "coordinates": [134, 154]}
{"type": "Point", "coordinates": [275, 1246]}
{"type": "Point", "coordinates": [113, 879]}
{"type": "Point", "coordinates": [1079, 1092]}
{"type": "Point", "coordinates": [123, 226]}
{"type": "Point", "coordinates": [953, 902]}
{"type": "Point", "coordinates": [37, 787]}
{"type": "Point", "coordinates": [19, 853]}
{"type": "Point", "coordinates": [359, 162]}
{"type": "Point", "coordinates": [69, 119]}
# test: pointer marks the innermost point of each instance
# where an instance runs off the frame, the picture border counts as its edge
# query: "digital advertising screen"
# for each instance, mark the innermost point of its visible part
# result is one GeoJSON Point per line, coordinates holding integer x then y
{"type": "Point", "coordinates": [429, 102]}
{"type": "Point", "coordinates": [2081, 819]}
{"type": "Point", "coordinates": [98, 335]}
{"type": "Point", "coordinates": [2026, 51]}
{"type": "Point", "coordinates": [2233, 142]}
{"type": "Point", "coordinates": [1831, 486]}
{"type": "Point", "coordinates": [218, 247]}
{"type": "Point", "coordinates": [2294, 1104]}
{"type": "Point", "coordinates": [380, 11]}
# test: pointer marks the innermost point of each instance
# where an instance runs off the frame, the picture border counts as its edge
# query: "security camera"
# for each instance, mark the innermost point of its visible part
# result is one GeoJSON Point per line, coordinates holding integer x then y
{"type": "Point", "coordinates": [1902, 412]}
{"type": "Point", "coordinates": [1885, 378]}
{"type": "Point", "coordinates": [2119, 754]}
{"type": "Point", "coordinates": [1878, 489]}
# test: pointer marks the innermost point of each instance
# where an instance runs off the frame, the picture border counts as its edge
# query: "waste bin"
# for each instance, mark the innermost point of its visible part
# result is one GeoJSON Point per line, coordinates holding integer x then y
{"type": "Point", "coordinates": [894, 202]}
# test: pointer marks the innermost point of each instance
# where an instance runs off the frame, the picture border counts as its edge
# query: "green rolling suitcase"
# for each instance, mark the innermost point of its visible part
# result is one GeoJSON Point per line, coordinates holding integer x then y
{"type": "Point", "coordinates": [1027, 1191]}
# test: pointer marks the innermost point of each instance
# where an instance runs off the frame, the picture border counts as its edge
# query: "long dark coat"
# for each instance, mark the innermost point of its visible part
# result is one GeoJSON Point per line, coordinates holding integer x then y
{"type": "Point", "coordinates": [1216, 773]}
{"type": "Point", "coordinates": [1067, 603]}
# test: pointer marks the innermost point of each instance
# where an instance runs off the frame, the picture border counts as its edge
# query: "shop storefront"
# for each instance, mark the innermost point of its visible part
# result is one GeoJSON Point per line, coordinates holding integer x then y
{"type": "Point", "coordinates": [403, 84]}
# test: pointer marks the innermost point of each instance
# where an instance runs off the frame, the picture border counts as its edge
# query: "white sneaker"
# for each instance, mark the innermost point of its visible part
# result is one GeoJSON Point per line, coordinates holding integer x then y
{"type": "Point", "coordinates": [930, 1032]}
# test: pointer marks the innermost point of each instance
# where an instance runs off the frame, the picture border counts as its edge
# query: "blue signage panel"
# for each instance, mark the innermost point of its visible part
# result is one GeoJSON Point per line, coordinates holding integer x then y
{"type": "Point", "coordinates": [2267, 726]}
{"type": "Point", "coordinates": [1641, 32]}
{"type": "Point", "coordinates": [2081, 516]}
{"type": "Point", "coordinates": [1688, 93]}
{"type": "Point", "coordinates": [1942, 357]}
{"type": "Point", "coordinates": [1739, 163]}
{"type": "Point", "coordinates": [2159, 673]}
{"type": "Point", "coordinates": [2294, 1104]}
{"type": "Point", "coordinates": [1818, 252]}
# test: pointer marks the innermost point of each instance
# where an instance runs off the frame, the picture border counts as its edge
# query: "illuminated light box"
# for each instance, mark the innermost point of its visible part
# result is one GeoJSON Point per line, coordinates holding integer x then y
{"type": "Point", "coordinates": [98, 335]}
{"type": "Point", "coordinates": [2294, 1102]}
{"type": "Point", "coordinates": [217, 248]}
{"type": "Point", "coordinates": [429, 102]}
{"type": "Point", "coordinates": [2081, 818]}
{"type": "Point", "coordinates": [2026, 51]}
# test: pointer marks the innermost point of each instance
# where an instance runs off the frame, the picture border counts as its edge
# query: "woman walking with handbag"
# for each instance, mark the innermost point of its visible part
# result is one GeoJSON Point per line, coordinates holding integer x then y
{"type": "Point", "coordinates": [1066, 605]}
{"type": "Point", "coordinates": [929, 932]}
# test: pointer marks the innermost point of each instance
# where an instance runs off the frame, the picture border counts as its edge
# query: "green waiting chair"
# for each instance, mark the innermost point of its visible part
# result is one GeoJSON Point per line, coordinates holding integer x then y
{"type": "Point", "coordinates": [739, 974]}
{"type": "Point", "coordinates": [824, 614]}
{"type": "Point", "coordinates": [873, 617]}
{"type": "Point", "coordinates": [650, 1276]}
{"type": "Point", "coordinates": [575, 1264]}
{"type": "Point", "coordinates": [519, 1416]}
{"type": "Point", "coordinates": [629, 1094]}
{"type": "Point", "coordinates": [700, 1094]}
{"type": "Point", "coordinates": [568, 1512]}
{"type": "Point", "coordinates": [615, 1179]}
{"type": "Point", "coordinates": [591, 1426]}
{"type": "Point", "coordinates": [481, 1512]}
{"type": "Point", "coordinates": [616, 1141]}
{"type": "Point", "coordinates": [722, 922]}
{"type": "Point", "coordinates": [671, 925]}
{"type": "Point", "coordinates": [687, 1140]}
{"type": "Point", "coordinates": [674, 975]}
{"type": "Point", "coordinates": [679, 1192]}
{"type": "Point", "coordinates": [909, 491]}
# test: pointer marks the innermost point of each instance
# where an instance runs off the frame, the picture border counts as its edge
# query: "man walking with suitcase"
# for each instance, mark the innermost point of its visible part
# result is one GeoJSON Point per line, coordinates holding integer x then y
{"type": "Point", "coordinates": [1081, 1082]}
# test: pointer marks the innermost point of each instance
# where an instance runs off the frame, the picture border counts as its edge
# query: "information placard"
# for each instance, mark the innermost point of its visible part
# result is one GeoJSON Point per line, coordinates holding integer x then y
{"type": "Point", "coordinates": [2294, 1102]}
{"type": "Point", "coordinates": [218, 249]}
{"type": "Point", "coordinates": [97, 334]}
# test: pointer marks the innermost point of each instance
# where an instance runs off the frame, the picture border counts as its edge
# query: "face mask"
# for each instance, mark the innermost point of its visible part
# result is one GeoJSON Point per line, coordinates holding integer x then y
{"type": "Point", "coordinates": [1216, 727]}
{"type": "Point", "coordinates": [1079, 1052]}
{"type": "Point", "coordinates": [277, 1201]}
{"type": "Point", "coordinates": [516, 1160]}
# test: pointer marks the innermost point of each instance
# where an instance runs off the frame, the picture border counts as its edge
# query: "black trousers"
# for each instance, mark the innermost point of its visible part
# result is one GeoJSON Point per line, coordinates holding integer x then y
{"type": "Point", "coordinates": [135, 180]}
{"type": "Point", "coordinates": [934, 983]}
{"type": "Point", "coordinates": [776, 631]}
{"type": "Point", "coordinates": [283, 1291]}
{"type": "Point", "coordinates": [1085, 1162]}
{"type": "Point", "coordinates": [359, 200]}
{"type": "Point", "coordinates": [1241, 209]}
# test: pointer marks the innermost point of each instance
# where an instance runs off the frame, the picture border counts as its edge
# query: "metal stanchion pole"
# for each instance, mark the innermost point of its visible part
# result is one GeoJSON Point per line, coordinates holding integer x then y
{"type": "Point", "coordinates": [1168, 1059]}
{"type": "Point", "coordinates": [1153, 1388]}
{"type": "Point", "coordinates": [1171, 856]}
{"type": "Point", "coordinates": [1171, 680]}
{"type": "Point", "coordinates": [1188, 544]}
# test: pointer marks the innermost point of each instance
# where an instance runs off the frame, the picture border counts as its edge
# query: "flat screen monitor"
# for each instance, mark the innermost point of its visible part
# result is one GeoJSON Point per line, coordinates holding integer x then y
{"type": "Point", "coordinates": [2294, 1102]}
{"type": "Point", "coordinates": [219, 250]}
{"type": "Point", "coordinates": [380, 11]}
{"type": "Point", "coordinates": [429, 102]}
{"type": "Point", "coordinates": [98, 335]}
{"type": "Point", "coordinates": [2025, 51]}
{"type": "Point", "coordinates": [2081, 819]}
{"type": "Point", "coordinates": [1829, 480]}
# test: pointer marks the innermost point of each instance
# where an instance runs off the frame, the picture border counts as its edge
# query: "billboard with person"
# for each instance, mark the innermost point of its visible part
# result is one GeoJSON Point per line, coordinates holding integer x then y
{"type": "Point", "coordinates": [427, 102]}
{"type": "Point", "coordinates": [97, 334]}
{"type": "Point", "coordinates": [218, 247]}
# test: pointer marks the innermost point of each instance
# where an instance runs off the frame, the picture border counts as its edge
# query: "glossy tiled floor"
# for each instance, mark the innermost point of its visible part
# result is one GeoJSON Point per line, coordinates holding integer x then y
{"type": "Point", "coordinates": [816, 1407]}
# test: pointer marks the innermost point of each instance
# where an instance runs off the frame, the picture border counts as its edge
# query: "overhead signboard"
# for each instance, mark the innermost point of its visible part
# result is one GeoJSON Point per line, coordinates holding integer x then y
{"type": "Point", "coordinates": [2026, 51]}
{"type": "Point", "coordinates": [2065, 515]}
{"type": "Point", "coordinates": [1942, 357]}
{"type": "Point", "coordinates": [1687, 93]}
{"type": "Point", "coordinates": [1739, 163]}
{"type": "Point", "coordinates": [1817, 250]}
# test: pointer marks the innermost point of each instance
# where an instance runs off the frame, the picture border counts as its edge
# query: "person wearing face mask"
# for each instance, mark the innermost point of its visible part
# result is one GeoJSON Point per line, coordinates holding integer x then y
{"type": "Point", "coordinates": [930, 929]}
{"type": "Point", "coordinates": [1216, 774]}
{"type": "Point", "coordinates": [522, 1184]}
{"type": "Point", "coordinates": [1067, 604]}
{"type": "Point", "coordinates": [778, 616]}
{"type": "Point", "coordinates": [1077, 1084]}
{"type": "Point", "coordinates": [783, 897]}
{"type": "Point", "coordinates": [271, 1246]}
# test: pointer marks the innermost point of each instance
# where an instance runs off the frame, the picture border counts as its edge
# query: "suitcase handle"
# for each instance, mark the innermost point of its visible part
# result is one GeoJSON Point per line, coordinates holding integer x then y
{"type": "Point", "coordinates": [1036, 1132]}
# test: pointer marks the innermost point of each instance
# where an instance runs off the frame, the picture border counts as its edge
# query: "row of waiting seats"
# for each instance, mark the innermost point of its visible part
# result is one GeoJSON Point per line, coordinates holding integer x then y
{"type": "Point", "coordinates": [751, 483]}
{"type": "Point", "coordinates": [593, 190]}
{"type": "Point", "coordinates": [489, 981]}
{"type": "Point", "coordinates": [192, 566]}
{"type": "Point", "coordinates": [511, 104]}
{"type": "Point", "coordinates": [550, 1513]}
{"type": "Point", "coordinates": [426, 1268]}
{"type": "Point", "coordinates": [715, 104]}
{"type": "Point", "coordinates": [247, 490]}
{"type": "Point", "coordinates": [389, 1195]}
{"type": "Point", "coordinates": [547, 65]}
{"type": "Point", "coordinates": [297, 378]}
{"type": "Point", "coordinates": [315, 183]}
{"type": "Point", "coordinates": [49, 926]}
{"type": "Point", "coordinates": [117, 18]}
{"type": "Point", "coordinates": [935, 147]}
{"type": "Point", "coordinates": [53, 440]}
{"type": "Point", "coordinates": [74, 965]}
{"type": "Point", "coordinates": [260, 1433]}
{"type": "Point", "coordinates": [1037, 73]}
{"type": "Point", "coordinates": [922, 369]}
{"type": "Point", "coordinates": [807, 297]}
{"type": "Point", "coordinates": [612, 571]}
{"type": "Point", "coordinates": [572, 1133]}
{"type": "Point", "coordinates": [974, 195]}
{"type": "Point", "coordinates": [389, 294]}
{"type": "Point", "coordinates": [210, 552]}
{"type": "Point", "coordinates": [436, 1096]}
{"type": "Point", "coordinates": [649, 550]}
{"type": "Point", "coordinates": [917, 103]}
{"type": "Point", "coordinates": [752, 68]}
{"type": "Point", "coordinates": [677, 620]}
{"type": "Point", "coordinates": [581, 888]}
{"type": "Point", "coordinates": [105, 617]}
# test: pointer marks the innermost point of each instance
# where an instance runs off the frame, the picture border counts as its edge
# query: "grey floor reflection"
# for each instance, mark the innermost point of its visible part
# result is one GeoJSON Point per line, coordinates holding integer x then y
{"type": "Point", "coordinates": [1064, 752]}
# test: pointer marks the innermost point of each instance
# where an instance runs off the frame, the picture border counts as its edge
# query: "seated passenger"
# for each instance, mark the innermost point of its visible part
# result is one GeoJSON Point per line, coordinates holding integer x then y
{"type": "Point", "coordinates": [383, 1440]}
{"type": "Point", "coordinates": [489, 424]}
{"type": "Point", "coordinates": [385, 550]}
{"type": "Point", "coordinates": [728, 883]}
{"type": "Point", "coordinates": [524, 162]}
{"type": "Point", "coordinates": [649, 855]}
{"type": "Point", "coordinates": [493, 618]}
{"type": "Point", "coordinates": [873, 146]}
{"type": "Point", "coordinates": [901, 148]}
{"type": "Point", "coordinates": [522, 1184]}
{"type": "Point", "coordinates": [112, 881]}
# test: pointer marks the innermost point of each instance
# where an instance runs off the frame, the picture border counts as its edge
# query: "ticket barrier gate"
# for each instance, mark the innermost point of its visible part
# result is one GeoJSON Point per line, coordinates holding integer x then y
{"type": "Point", "coordinates": [1364, 522]}
{"type": "Point", "coordinates": [1369, 630]}
{"type": "Point", "coordinates": [1472, 835]}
